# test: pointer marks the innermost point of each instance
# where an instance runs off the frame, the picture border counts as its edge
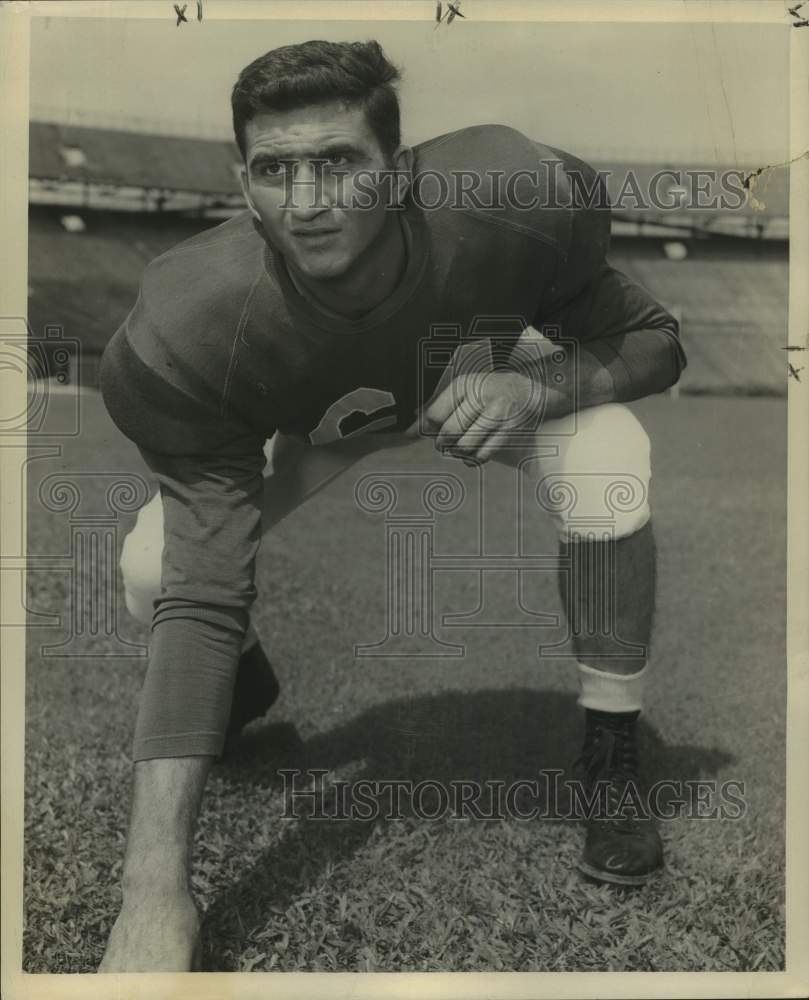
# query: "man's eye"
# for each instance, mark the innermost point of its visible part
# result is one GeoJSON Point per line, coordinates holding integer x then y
{"type": "Point", "coordinates": [337, 160]}
{"type": "Point", "coordinates": [271, 169]}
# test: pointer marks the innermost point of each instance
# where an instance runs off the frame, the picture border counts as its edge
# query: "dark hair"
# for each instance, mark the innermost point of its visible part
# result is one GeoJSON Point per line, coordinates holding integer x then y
{"type": "Point", "coordinates": [293, 76]}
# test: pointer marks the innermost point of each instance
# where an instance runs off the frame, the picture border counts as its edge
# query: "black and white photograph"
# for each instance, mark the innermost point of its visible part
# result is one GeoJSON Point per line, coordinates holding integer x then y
{"type": "Point", "coordinates": [404, 498]}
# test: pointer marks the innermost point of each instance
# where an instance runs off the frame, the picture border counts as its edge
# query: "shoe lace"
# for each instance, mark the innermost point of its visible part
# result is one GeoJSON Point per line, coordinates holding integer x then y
{"type": "Point", "coordinates": [610, 756]}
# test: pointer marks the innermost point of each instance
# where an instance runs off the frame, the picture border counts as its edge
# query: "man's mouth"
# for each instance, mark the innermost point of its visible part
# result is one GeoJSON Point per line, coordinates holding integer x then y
{"type": "Point", "coordinates": [314, 235]}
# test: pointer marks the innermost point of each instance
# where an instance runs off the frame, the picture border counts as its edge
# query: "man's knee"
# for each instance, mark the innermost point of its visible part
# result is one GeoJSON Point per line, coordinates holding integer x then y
{"type": "Point", "coordinates": [599, 479]}
{"type": "Point", "coordinates": [142, 560]}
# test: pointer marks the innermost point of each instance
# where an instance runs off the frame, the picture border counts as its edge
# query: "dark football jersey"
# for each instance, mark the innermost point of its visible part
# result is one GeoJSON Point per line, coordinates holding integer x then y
{"type": "Point", "coordinates": [221, 350]}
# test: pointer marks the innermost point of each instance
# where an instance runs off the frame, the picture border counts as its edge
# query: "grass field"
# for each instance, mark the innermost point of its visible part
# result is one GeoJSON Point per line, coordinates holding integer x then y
{"type": "Point", "coordinates": [450, 895]}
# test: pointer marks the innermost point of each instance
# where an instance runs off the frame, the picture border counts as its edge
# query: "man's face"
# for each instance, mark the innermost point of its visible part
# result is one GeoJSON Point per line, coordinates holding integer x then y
{"type": "Point", "coordinates": [305, 208]}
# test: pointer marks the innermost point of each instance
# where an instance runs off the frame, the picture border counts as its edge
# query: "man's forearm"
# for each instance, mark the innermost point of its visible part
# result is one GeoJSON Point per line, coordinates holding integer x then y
{"type": "Point", "coordinates": [588, 381]}
{"type": "Point", "coordinates": [187, 693]}
{"type": "Point", "coordinates": [157, 929]}
{"type": "Point", "coordinates": [165, 803]}
{"type": "Point", "coordinates": [640, 363]}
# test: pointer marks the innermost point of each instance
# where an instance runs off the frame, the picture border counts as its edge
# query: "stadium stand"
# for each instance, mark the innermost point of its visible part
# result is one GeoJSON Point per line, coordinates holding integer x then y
{"type": "Point", "coordinates": [103, 203]}
{"type": "Point", "coordinates": [69, 153]}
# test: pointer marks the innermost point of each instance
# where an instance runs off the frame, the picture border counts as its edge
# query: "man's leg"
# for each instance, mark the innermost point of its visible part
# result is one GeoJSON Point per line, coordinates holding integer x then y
{"type": "Point", "coordinates": [609, 599]}
{"type": "Point", "coordinates": [594, 472]}
{"type": "Point", "coordinates": [157, 928]}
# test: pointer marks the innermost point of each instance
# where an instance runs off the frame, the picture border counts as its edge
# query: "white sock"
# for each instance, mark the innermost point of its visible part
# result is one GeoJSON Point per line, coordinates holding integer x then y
{"type": "Point", "coordinates": [606, 692]}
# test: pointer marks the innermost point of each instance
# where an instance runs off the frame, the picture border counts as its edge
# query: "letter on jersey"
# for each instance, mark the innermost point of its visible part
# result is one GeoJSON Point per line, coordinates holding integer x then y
{"type": "Point", "coordinates": [358, 412]}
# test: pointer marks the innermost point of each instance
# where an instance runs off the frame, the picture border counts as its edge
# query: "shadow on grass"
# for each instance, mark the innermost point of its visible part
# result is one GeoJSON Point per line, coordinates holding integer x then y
{"type": "Point", "coordinates": [485, 737]}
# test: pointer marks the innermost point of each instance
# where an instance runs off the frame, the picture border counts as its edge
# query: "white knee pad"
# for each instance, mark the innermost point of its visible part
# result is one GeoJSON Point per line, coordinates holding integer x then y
{"type": "Point", "coordinates": [282, 451]}
{"type": "Point", "coordinates": [598, 483]}
{"type": "Point", "coordinates": [142, 561]}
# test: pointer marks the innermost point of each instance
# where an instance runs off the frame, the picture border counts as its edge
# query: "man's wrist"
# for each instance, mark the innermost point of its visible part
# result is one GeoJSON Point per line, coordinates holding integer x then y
{"type": "Point", "coordinates": [578, 381]}
{"type": "Point", "coordinates": [590, 380]}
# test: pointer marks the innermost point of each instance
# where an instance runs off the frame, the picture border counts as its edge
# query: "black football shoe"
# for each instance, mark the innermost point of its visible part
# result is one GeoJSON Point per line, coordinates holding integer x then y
{"type": "Point", "coordinates": [255, 691]}
{"type": "Point", "coordinates": [622, 845]}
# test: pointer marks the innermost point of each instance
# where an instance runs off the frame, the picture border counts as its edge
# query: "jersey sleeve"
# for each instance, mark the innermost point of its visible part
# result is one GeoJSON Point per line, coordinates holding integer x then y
{"type": "Point", "coordinates": [209, 472]}
{"type": "Point", "coordinates": [633, 336]}
{"type": "Point", "coordinates": [614, 318]}
{"type": "Point", "coordinates": [622, 325]}
{"type": "Point", "coordinates": [212, 530]}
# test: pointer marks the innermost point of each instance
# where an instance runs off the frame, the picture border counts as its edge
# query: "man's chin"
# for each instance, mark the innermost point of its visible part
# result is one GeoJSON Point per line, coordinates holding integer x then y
{"type": "Point", "coordinates": [323, 269]}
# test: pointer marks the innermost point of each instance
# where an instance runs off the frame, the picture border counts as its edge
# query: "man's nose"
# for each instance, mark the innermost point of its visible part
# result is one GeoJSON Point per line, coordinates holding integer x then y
{"type": "Point", "coordinates": [310, 194]}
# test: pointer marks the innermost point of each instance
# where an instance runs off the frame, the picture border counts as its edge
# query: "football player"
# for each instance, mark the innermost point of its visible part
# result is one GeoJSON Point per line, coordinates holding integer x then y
{"type": "Point", "coordinates": [299, 322]}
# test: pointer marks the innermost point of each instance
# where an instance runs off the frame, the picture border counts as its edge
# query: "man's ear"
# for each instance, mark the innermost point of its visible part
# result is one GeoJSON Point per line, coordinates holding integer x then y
{"type": "Point", "coordinates": [245, 183]}
{"type": "Point", "coordinates": [403, 165]}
